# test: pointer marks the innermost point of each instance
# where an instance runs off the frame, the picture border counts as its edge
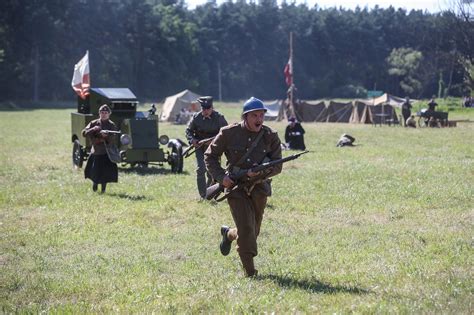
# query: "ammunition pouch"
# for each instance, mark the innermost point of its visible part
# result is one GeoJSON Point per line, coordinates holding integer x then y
{"type": "Point", "coordinates": [267, 187]}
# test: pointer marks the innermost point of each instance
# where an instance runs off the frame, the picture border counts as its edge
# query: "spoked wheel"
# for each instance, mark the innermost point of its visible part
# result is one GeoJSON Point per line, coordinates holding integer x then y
{"type": "Point", "coordinates": [176, 159]}
{"type": "Point", "coordinates": [77, 154]}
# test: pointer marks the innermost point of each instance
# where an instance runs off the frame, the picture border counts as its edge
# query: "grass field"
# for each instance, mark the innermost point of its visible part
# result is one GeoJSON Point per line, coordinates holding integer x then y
{"type": "Point", "coordinates": [383, 227]}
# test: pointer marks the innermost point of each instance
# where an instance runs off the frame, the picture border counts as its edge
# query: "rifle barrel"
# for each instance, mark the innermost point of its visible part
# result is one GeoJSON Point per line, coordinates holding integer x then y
{"type": "Point", "coordinates": [275, 162]}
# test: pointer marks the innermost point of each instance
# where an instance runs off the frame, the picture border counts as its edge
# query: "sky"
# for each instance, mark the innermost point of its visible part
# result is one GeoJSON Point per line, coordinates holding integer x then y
{"type": "Point", "coordinates": [429, 5]}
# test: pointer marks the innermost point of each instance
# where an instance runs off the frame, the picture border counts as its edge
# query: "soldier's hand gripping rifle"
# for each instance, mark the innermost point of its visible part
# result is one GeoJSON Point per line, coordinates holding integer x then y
{"type": "Point", "coordinates": [241, 179]}
{"type": "Point", "coordinates": [191, 149]}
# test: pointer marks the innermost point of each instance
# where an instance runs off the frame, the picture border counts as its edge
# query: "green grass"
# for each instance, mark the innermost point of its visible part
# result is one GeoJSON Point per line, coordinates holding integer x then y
{"type": "Point", "coordinates": [384, 227]}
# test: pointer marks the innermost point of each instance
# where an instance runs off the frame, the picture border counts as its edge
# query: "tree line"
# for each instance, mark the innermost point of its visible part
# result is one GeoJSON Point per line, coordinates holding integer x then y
{"type": "Point", "coordinates": [235, 49]}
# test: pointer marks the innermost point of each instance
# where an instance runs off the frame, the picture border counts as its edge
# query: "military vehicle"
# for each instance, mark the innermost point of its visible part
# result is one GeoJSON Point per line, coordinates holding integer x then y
{"type": "Point", "coordinates": [139, 144]}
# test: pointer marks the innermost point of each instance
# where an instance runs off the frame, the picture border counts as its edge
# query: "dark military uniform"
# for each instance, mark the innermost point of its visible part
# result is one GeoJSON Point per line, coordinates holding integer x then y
{"type": "Point", "coordinates": [247, 206]}
{"type": "Point", "coordinates": [200, 128]}
{"type": "Point", "coordinates": [406, 111]}
{"type": "Point", "coordinates": [432, 105]}
{"type": "Point", "coordinates": [294, 136]}
{"type": "Point", "coordinates": [99, 168]}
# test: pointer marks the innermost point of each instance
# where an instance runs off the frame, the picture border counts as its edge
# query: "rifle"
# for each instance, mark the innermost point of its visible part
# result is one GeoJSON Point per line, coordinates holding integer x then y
{"type": "Point", "coordinates": [240, 177]}
{"type": "Point", "coordinates": [189, 150]}
{"type": "Point", "coordinates": [112, 132]}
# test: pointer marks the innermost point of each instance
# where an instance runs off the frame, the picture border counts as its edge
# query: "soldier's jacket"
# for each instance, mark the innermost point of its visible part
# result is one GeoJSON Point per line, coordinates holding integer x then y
{"type": "Point", "coordinates": [201, 128]}
{"type": "Point", "coordinates": [98, 146]}
{"type": "Point", "coordinates": [233, 141]}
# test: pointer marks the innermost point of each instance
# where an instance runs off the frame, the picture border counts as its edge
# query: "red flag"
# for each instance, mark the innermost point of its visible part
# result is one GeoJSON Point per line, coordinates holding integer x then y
{"type": "Point", "coordinates": [288, 71]}
{"type": "Point", "coordinates": [80, 79]}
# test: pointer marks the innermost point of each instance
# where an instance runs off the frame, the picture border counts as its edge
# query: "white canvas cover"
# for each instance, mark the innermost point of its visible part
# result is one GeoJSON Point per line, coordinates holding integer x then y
{"type": "Point", "coordinates": [273, 108]}
{"type": "Point", "coordinates": [386, 99]}
{"type": "Point", "coordinates": [173, 105]}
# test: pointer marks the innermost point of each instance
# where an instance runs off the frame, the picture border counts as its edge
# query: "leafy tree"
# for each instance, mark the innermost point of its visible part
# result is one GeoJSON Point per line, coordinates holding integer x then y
{"type": "Point", "coordinates": [404, 63]}
{"type": "Point", "coordinates": [159, 47]}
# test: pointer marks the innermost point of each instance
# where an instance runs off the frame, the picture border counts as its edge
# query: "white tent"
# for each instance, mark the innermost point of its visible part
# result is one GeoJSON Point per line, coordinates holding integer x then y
{"type": "Point", "coordinates": [173, 105]}
{"type": "Point", "coordinates": [273, 108]}
{"type": "Point", "coordinates": [386, 99]}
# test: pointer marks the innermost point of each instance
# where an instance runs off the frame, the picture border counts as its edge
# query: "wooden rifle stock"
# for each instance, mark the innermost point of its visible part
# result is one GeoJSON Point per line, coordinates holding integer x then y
{"type": "Point", "coordinates": [240, 178]}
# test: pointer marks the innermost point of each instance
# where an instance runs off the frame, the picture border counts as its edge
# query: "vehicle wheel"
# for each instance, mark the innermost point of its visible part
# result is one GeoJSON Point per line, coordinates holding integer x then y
{"type": "Point", "coordinates": [77, 154]}
{"type": "Point", "coordinates": [176, 159]}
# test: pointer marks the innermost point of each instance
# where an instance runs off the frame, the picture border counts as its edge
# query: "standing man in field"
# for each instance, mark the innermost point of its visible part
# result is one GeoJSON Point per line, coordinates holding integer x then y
{"type": "Point", "coordinates": [203, 125]}
{"type": "Point", "coordinates": [406, 110]}
{"type": "Point", "coordinates": [245, 145]}
{"type": "Point", "coordinates": [432, 105]}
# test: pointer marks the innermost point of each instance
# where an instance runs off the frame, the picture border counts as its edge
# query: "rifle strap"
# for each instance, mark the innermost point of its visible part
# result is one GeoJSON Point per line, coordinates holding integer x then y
{"type": "Point", "coordinates": [252, 147]}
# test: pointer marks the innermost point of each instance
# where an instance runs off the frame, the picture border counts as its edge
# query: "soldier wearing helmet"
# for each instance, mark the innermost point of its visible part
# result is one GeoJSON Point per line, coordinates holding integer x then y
{"type": "Point", "coordinates": [245, 144]}
{"type": "Point", "coordinates": [203, 125]}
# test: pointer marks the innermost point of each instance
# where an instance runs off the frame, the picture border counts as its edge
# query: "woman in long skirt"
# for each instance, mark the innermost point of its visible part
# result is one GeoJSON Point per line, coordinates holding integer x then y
{"type": "Point", "coordinates": [99, 168]}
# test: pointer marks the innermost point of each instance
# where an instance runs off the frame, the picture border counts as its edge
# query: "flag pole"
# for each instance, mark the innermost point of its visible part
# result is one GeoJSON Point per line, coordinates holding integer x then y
{"type": "Point", "coordinates": [292, 70]}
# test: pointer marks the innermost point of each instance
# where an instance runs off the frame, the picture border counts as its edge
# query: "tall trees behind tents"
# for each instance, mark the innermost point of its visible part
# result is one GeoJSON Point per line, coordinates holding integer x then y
{"type": "Point", "coordinates": [404, 64]}
{"type": "Point", "coordinates": [159, 47]}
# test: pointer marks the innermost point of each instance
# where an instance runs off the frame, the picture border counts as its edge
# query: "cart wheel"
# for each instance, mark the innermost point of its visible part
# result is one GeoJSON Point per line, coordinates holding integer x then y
{"type": "Point", "coordinates": [77, 154]}
{"type": "Point", "coordinates": [176, 159]}
{"type": "Point", "coordinates": [421, 122]}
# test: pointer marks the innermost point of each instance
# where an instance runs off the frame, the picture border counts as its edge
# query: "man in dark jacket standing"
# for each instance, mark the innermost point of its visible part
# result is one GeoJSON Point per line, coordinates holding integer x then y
{"type": "Point", "coordinates": [245, 145]}
{"type": "Point", "coordinates": [203, 125]}
{"type": "Point", "coordinates": [406, 110]}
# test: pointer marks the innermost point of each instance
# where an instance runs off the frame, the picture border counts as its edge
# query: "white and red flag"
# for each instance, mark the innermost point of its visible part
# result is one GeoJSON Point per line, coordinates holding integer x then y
{"type": "Point", "coordinates": [80, 79]}
{"type": "Point", "coordinates": [288, 71]}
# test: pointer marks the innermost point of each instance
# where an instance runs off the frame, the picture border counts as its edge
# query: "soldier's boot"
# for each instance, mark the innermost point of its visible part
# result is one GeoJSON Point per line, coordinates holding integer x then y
{"type": "Point", "coordinates": [94, 186]}
{"type": "Point", "coordinates": [249, 267]}
{"type": "Point", "coordinates": [104, 186]}
{"type": "Point", "coordinates": [225, 244]}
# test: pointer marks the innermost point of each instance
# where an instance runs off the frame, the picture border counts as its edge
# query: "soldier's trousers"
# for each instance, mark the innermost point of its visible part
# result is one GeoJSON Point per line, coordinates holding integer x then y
{"type": "Point", "coordinates": [247, 212]}
{"type": "Point", "coordinates": [203, 178]}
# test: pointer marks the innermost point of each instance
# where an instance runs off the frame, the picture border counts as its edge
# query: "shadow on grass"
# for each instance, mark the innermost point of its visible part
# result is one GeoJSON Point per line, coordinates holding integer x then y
{"type": "Point", "coordinates": [131, 197]}
{"type": "Point", "coordinates": [145, 171]}
{"type": "Point", "coordinates": [310, 285]}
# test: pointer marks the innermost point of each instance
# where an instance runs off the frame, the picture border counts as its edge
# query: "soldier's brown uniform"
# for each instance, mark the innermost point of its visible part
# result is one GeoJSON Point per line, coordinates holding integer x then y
{"type": "Point", "coordinates": [247, 207]}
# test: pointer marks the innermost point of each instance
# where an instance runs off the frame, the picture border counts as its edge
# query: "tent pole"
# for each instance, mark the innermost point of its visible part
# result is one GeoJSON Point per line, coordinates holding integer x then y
{"type": "Point", "coordinates": [292, 71]}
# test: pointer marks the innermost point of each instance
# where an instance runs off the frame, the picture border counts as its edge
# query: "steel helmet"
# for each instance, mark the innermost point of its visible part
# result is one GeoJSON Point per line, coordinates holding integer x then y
{"type": "Point", "coordinates": [253, 104]}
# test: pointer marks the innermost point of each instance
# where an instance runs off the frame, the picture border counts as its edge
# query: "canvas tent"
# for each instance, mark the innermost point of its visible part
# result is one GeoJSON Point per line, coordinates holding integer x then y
{"type": "Point", "coordinates": [273, 109]}
{"type": "Point", "coordinates": [173, 105]}
{"type": "Point", "coordinates": [387, 99]}
{"type": "Point", "coordinates": [339, 112]}
{"type": "Point", "coordinates": [361, 113]}
{"type": "Point", "coordinates": [309, 112]}
{"type": "Point", "coordinates": [383, 113]}
{"type": "Point", "coordinates": [377, 110]}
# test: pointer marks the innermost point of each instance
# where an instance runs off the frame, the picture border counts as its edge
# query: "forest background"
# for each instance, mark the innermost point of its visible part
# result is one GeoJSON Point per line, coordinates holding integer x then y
{"type": "Point", "coordinates": [233, 50]}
